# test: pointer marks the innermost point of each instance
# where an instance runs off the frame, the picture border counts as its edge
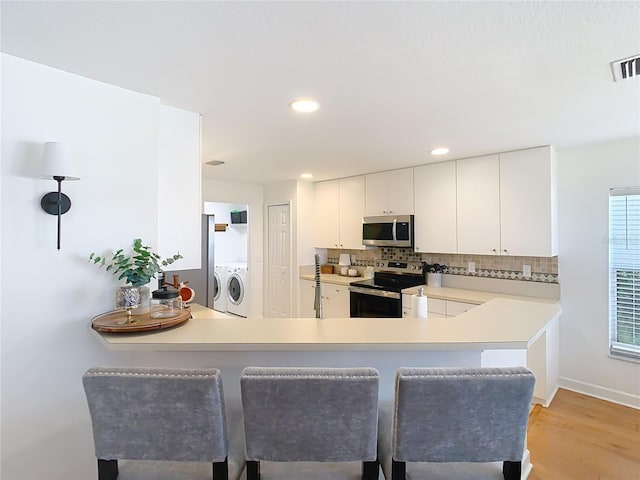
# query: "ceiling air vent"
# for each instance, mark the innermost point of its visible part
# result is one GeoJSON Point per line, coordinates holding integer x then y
{"type": "Point", "coordinates": [626, 68]}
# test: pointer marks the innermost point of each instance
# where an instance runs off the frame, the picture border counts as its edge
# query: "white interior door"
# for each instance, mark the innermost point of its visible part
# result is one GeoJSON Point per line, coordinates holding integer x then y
{"type": "Point", "coordinates": [279, 288]}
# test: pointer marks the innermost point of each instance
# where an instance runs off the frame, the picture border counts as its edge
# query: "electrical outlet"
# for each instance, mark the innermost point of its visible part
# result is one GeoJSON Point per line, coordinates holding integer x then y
{"type": "Point", "coordinates": [526, 271]}
{"type": "Point", "coordinates": [472, 267]}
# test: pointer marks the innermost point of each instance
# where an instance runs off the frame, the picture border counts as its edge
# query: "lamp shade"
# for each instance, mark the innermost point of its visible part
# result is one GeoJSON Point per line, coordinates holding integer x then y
{"type": "Point", "coordinates": [54, 162]}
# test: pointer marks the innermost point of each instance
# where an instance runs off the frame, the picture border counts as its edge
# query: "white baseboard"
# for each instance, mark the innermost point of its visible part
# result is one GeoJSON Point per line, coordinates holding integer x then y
{"type": "Point", "coordinates": [526, 465]}
{"type": "Point", "coordinates": [545, 402]}
{"type": "Point", "coordinates": [603, 393]}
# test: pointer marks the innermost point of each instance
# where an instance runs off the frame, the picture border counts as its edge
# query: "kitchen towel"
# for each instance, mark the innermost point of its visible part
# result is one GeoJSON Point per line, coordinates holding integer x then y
{"type": "Point", "coordinates": [420, 307]}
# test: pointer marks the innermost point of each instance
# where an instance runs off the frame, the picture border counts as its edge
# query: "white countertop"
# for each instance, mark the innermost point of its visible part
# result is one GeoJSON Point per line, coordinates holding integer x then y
{"type": "Point", "coordinates": [477, 297]}
{"type": "Point", "coordinates": [497, 324]}
{"type": "Point", "coordinates": [332, 278]}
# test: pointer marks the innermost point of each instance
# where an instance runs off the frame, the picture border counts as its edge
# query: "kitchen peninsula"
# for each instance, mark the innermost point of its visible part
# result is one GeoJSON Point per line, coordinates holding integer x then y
{"type": "Point", "coordinates": [500, 332]}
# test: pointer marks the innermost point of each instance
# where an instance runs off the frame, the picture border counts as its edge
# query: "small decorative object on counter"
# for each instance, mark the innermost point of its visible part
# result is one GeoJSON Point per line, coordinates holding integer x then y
{"type": "Point", "coordinates": [136, 268]}
{"type": "Point", "coordinates": [368, 273]}
{"type": "Point", "coordinates": [344, 262]}
{"type": "Point", "coordinates": [326, 269]}
{"type": "Point", "coordinates": [165, 303]}
{"type": "Point", "coordinates": [434, 274]}
{"type": "Point", "coordinates": [129, 298]}
{"type": "Point", "coordinates": [186, 293]}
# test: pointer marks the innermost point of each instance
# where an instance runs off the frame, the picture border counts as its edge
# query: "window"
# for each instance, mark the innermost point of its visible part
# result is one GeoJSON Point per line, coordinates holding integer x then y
{"type": "Point", "coordinates": [624, 269]}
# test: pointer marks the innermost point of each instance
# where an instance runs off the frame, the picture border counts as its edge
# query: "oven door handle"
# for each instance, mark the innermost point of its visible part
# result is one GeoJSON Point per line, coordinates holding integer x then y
{"type": "Point", "coordinates": [376, 293]}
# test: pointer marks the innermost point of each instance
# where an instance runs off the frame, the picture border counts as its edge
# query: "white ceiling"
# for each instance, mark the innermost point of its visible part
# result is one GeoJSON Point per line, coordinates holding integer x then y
{"type": "Point", "coordinates": [394, 79]}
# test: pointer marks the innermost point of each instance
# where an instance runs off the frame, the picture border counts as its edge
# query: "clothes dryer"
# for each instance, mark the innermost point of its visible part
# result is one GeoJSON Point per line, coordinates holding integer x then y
{"type": "Point", "coordinates": [237, 297]}
{"type": "Point", "coordinates": [220, 277]}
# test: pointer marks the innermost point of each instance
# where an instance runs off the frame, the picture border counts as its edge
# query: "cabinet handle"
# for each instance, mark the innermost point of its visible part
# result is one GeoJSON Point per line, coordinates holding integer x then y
{"type": "Point", "coordinates": [390, 211]}
{"type": "Point", "coordinates": [505, 250]}
{"type": "Point", "coordinates": [493, 250]}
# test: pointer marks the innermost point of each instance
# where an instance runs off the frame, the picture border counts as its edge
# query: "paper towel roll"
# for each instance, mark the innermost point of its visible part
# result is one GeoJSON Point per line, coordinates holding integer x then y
{"type": "Point", "coordinates": [420, 307]}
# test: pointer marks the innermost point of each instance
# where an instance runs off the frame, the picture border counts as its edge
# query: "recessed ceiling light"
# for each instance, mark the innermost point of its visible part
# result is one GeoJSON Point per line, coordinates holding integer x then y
{"type": "Point", "coordinates": [439, 151]}
{"type": "Point", "coordinates": [305, 105]}
{"type": "Point", "coordinates": [306, 175]}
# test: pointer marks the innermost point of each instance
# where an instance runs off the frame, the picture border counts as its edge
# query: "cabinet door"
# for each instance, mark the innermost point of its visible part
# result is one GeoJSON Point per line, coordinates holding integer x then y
{"type": "Point", "coordinates": [376, 198]}
{"type": "Point", "coordinates": [400, 191]}
{"type": "Point", "coordinates": [527, 203]}
{"type": "Point", "coordinates": [435, 208]}
{"type": "Point", "coordinates": [307, 297]}
{"type": "Point", "coordinates": [436, 306]}
{"type": "Point", "coordinates": [478, 194]}
{"type": "Point", "coordinates": [326, 214]}
{"type": "Point", "coordinates": [351, 212]}
{"type": "Point", "coordinates": [456, 308]}
{"type": "Point", "coordinates": [389, 193]}
{"type": "Point", "coordinates": [335, 300]}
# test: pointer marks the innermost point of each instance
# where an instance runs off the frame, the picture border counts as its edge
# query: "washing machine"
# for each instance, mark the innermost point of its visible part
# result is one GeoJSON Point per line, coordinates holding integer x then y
{"type": "Point", "coordinates": [237, 297]}
{"type": "Point", "coordinates": [220, 277]}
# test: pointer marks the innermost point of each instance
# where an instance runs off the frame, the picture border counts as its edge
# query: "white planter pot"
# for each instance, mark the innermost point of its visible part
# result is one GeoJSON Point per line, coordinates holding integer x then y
{"type": "Point", "coordinates": [434, 279]}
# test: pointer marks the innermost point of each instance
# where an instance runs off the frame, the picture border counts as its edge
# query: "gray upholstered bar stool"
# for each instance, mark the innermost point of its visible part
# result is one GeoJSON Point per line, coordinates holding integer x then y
{"type": "Point", "coordinates": [456, 423]}
{"type": "Point", "coordinates": [163, 424]}
{"type": "Point", "coordinates": [323, 419]}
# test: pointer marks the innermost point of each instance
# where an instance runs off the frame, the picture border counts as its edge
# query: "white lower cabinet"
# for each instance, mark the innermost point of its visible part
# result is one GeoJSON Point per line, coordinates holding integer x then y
{"type": "Point", "coordinates": [307, 297]}
{"type": "Point", "coordinates": [456, 308]}
{"type": "Point", "coordinates": [439, 308]}
{"type": "Point", "coordinates": [436, 307]}
{"type": "Point", "coordinates": [335, 300]}
{"type": "Point", "coordinates": [407, 305]}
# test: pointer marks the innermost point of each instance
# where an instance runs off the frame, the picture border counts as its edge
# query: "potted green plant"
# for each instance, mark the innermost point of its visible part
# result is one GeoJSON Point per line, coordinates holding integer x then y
{"type": "Point", "coordinates": [136, 269]}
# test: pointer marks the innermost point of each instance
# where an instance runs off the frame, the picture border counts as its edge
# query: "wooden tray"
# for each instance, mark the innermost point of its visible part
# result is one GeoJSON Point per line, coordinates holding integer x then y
{"type": "Point", "coordinates": [116, 322]}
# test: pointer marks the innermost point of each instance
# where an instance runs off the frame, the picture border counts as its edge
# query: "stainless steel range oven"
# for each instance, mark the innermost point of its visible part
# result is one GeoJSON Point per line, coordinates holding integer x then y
{"type": "Point", "coordinates": [381, 296]}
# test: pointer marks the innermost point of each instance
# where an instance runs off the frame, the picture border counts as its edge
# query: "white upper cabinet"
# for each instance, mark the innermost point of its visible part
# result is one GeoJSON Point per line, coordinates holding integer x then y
{"type": "Point", "coordinates": [351, 212]}
{"type": "Point", "coordinates": [339, 208]}
{"type": "Point", "coordinates": [389, 193]}
{"type": "Point", "coordinates": [528, 209]}
{"type": "Point", "coordinates": [179, 197]}
{"type": "Point", "coordinates": [327, 214]}
{"type": "Point", "coordinates": [478, 194]}
{"type": "Point", "coordinates": [435, 208]}
{"type": "Point", "coordinates": [507, 204]}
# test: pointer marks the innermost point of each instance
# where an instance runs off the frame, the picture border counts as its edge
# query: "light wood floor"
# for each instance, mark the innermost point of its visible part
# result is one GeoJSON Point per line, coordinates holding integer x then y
{"type": "Point", "coordinates": [583, 438]}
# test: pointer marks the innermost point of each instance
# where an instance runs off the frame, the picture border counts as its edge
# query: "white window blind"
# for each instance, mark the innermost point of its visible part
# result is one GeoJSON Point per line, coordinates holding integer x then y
{"type": "Point", "coordinates": [624, 266]}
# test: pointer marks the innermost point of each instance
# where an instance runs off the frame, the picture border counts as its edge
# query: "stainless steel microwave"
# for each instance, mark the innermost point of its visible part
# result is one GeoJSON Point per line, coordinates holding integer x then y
{"type": "Point", "coordinates": [388, 231]}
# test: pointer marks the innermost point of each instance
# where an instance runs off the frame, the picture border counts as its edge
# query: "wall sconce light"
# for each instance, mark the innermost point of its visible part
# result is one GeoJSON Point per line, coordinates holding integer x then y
{"type": "Point", "coordinates": [55, 166]}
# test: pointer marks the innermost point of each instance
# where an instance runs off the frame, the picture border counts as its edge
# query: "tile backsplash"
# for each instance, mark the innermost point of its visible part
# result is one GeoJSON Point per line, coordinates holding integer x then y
{"type": "Point", "coordinates": [543, 269]}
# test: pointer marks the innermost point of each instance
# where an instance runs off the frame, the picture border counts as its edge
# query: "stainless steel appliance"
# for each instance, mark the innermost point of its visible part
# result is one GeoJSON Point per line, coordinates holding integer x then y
{"type": "Point", "coordinates": [388, 231]}
{"type": "Point", "coordinates": [381, 296]}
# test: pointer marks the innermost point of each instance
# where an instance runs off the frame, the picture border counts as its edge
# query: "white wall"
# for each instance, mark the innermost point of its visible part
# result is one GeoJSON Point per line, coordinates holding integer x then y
{"type": "Point", "coordinates": [50, 296]}
{"type": "Point", "coordinates": [585, 175]}
{"type": "Point", "coordinates": [251, 195]}
{"type": "Point", "coordinates": [299, 195]}
{"type": "Point", "coordinates": [230, 245]}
